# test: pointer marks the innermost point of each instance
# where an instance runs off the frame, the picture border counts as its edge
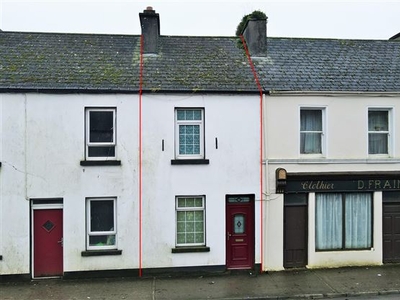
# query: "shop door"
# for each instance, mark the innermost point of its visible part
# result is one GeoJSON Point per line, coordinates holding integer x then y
{"type": "Point", "coordinates": [295, 231]}
{"type": "Point", "coordinates": [391, 232]}
{"type": "Point", "coordinates": [47, 242]}
{"type": "Point", "coordinates": [240, 232]}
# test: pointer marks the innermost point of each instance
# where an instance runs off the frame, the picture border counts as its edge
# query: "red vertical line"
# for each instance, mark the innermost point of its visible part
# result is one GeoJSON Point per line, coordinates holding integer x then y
{"type": "Point", "coordinates": [253, 69]}
{"type": "Point", "coordinates": [140, 154]}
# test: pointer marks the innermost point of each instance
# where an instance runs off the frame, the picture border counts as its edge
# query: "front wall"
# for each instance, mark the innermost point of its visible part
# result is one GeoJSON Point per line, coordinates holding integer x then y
{"type": "Point", "coordinates": [346, 151]}
{"type": "Point", "coordinates": [233, 169]}
{"type": "Point", "coordinates": [42, 144]}
{"type": "Point", "coordinates": [346, 124]}
{"type": "Point", "coordinates": [14, 208]}
{"type": "Point", "coordinates": [49, 129]}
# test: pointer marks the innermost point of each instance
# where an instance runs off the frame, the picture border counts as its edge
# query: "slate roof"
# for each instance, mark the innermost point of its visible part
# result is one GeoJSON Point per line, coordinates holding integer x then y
{"type": "Point", "coordinates": [110, 63]}
{"type": "Point", "coordinates": [68, 61]}
{"type": "Point", "coordinates": [93, 62]}
{"type": "Point", "coordinates": [296, 64]}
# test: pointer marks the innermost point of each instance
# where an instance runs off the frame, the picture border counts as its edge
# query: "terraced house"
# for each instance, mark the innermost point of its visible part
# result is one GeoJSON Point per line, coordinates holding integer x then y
{"type": "Point", "coordinates": [127, 154]}
{"type": "Point", "coordinates": [146, 154]}
{"type": "Point", "coordinates": [331, 154]}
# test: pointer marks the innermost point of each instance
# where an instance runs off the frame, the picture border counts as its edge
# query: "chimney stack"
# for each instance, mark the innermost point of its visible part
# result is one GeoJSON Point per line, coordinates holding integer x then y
{"type": "Point", "coordinates": [150, 24]}
{"type": "Point", "coordinates": [255, 34]}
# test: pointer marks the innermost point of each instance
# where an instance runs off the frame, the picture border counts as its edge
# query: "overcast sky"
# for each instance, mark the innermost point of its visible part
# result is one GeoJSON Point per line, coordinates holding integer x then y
{"type": "Point", "coordinates": [351, 19]}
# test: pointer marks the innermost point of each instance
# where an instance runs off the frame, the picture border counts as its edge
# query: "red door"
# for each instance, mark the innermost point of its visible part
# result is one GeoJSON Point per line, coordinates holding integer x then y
{"type": "Point", "coordinates": [47, 242]}
{"type": "Point", "coordinates": [239, 232]}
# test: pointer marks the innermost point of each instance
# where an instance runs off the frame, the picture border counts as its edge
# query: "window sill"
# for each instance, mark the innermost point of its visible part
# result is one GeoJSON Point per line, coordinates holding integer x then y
{"type": "Point", "coordinates": [88, 163]}
{"type": "Point", "coordinates": [190, 161]}
{"type": "Point", "coordinates": [101, 252]}
{"type": "Point", "coordinates": [191, 249]}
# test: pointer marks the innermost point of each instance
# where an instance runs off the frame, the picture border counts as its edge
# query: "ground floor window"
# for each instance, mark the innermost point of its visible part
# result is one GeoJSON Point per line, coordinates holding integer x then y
{"type": "Point", "coordinates": [101, 223]}
{"type": "Point", "coordinates": [190, 221]}
{"type": "Point", "coordinates": [343, 221]}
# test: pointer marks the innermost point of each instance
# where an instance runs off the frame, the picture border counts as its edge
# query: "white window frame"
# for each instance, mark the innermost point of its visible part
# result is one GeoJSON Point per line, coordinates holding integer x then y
{"type": "Point", "coordinates": [90, 233]}
{"type": "Point", "coordinates": [323, 110]}
{"type": "Point", "coordinates": [189, 122]}
{"type": "Point", "coordinates": [104, 144]}
{"type": "Point", "coordinates": [179, 209]}
{"type": "Point", "coordinates": [389, 134]}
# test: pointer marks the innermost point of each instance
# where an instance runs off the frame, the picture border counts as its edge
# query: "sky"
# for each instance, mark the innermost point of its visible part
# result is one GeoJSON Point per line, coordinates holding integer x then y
{"type": "Point", "coordinates": [351, 19]}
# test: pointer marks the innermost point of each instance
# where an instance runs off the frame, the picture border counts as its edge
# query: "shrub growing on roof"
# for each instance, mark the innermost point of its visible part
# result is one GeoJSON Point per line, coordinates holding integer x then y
{"type": "Point", "coordinates": [255, 15]}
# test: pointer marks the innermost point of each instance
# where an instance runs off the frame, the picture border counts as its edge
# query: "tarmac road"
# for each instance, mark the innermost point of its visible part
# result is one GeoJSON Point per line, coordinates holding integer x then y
{"type": "Point", "coordinates": [362, 282]}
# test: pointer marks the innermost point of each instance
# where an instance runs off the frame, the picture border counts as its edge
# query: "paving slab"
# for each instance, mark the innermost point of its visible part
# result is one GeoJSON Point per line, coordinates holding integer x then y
{"type": "Point", "coordinates": [121, 288]}
{"type": "Point", "coordinates": [359, 282]}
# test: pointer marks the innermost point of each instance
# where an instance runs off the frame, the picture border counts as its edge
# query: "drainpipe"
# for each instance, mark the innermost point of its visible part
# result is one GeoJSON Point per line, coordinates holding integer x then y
{"type": "Point", "coordinates": [261, 152]}
{"type": "Point", "coordinates": [140, 154]}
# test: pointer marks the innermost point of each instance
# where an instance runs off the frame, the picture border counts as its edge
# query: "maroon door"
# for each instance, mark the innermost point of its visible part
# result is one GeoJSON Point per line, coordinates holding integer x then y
{"type": "Point", "coordinates": [391, 233]}
{"type": "Point", "coordinates": [47, 242]}
{"type": "Point", "coordinates": [239, 232]}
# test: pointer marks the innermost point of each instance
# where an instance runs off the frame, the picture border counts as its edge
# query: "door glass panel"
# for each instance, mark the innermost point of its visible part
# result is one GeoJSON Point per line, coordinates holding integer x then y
{"type": "Point", "coordinates": [242, 199]}
{"type": "Point", "coordinates": [48, 226]}
{"type": "Point", "coordinates": [238, 224]}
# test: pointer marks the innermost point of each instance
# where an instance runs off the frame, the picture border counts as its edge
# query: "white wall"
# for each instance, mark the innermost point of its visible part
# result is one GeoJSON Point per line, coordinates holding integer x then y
{"type": "Point", "coordinates": [346, 123]}
{"type": "Point", "coordinates": [233, 169]}
{"type": "Point", "coordinates": [346, 151]}
{"type": "Point", "coordinates": [41, 146]}
{"type": "Point", "coordinates": [14, 217]}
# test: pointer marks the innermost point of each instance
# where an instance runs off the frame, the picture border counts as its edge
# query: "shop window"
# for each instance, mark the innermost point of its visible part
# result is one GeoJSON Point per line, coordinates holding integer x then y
{"type": "Point", "coordinates": [311, 131]}
{"type": "Point", "coordinates": [343, 221]}
{"type": "Point", "coordinates": [101, 223]}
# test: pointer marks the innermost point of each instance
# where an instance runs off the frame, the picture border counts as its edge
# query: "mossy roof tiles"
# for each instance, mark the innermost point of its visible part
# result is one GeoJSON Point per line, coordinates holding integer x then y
{"type": "Point", "coordinates": [62, 62]}
{"type": "Point", "coordinates": [94, 62]}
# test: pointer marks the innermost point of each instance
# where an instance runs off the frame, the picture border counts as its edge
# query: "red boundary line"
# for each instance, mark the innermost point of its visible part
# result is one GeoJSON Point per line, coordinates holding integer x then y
{"type": "Point", "coordinates": [140, 154]}
{"type": "Point", "coordinates": [253, 69]}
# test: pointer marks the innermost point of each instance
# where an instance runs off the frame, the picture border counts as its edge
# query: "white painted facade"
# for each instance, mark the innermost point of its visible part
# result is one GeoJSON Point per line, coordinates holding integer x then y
{"type": "Point", "coordinates": [42, 143]}
{"type": "Point", "coordinates": [345, 151]}
{"type": "Point", "coordinates": [233, 169]}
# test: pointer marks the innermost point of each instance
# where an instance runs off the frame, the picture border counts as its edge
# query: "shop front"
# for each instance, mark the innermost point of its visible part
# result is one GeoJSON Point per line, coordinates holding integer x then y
{"type": "Point", "coordinates": [340, 219]}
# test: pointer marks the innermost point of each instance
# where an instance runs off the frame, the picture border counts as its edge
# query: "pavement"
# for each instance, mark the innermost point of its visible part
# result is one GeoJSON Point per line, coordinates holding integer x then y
{"type": "Point", "coordinates": [360, 282]}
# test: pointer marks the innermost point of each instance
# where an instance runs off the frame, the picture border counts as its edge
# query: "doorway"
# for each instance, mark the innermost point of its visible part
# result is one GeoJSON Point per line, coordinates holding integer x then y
{"type": "Point", "coordinates": [47, 240]}
{"type": "Point", "coordinates": [295, 230]}
{"type": "Point", "coordinates": [391, 232]}
{"type": "Point", "coordinates": [240, 244]}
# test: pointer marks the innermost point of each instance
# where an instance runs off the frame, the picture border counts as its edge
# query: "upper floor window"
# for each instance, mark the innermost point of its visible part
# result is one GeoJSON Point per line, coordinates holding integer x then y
{"type": "Point", "coordinates": [311, 131]}
{"type": "Point", "coordinates": [378, 131]}
{"type": "Point", "coordinates": [189, 133]}
{"type": "Point", "coordinates": [100, 133]}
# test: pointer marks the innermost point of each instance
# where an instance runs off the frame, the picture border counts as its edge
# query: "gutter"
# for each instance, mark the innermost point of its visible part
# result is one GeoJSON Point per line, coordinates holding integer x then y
{"type": "Point", "coordinates": [334, 93]}
{"type": "Point", "coordinates": [122, 91]}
